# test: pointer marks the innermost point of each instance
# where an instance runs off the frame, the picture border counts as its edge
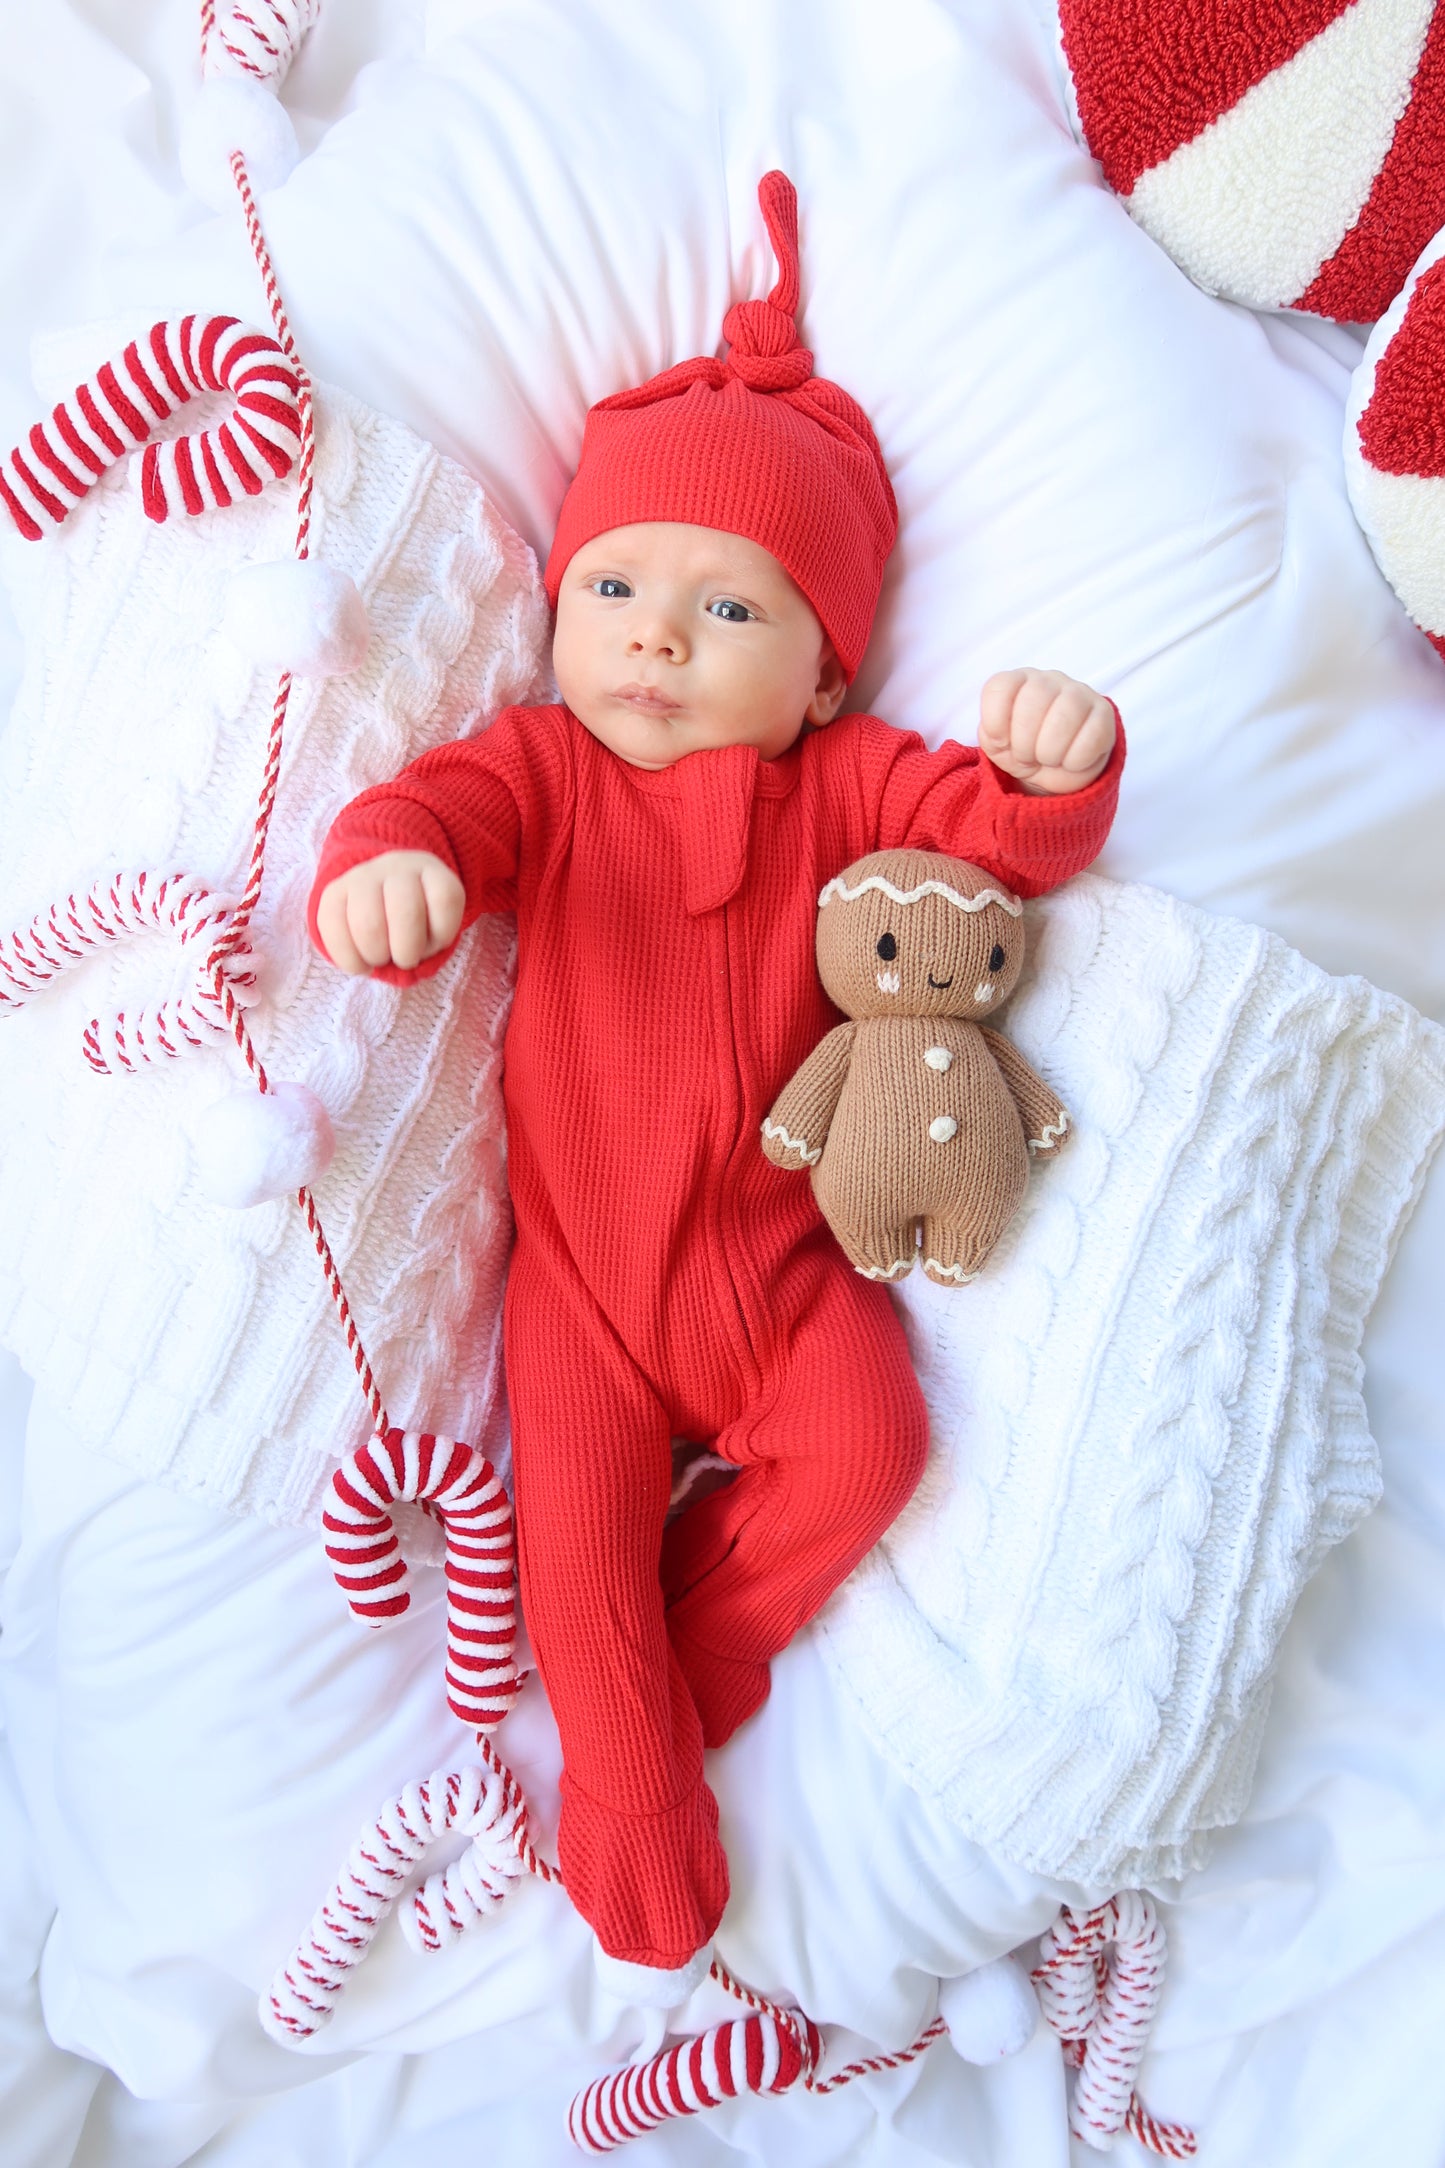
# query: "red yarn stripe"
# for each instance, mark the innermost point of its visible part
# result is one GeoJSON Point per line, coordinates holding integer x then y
{"type": "Point", "coordinates": [42, 496]}
{"type": "Point", "coordinates": [218, 488]}
{"type": "Point", "coordinates": [161, 354]}
{"type": "Point", "coordinates": [216, 326]}
{"type": "Point", "coordinates": [186, 476]}
{"type": "Point", "coordinates": [186, 340]}
{"type": "Point", "coordinates": [255, 342]}
{"type": "Point", "coordinates": [1402, 430]}
{"type": "Point", "coordinates": [23, 520]}
{"type": "Point", "coordinates": [269, 408]}
{"type": "Point", "coordinates": [114, 444]}
{"type": "Point", "coordinates": [274, 457]}
{"type": "Point", "coordinates": [75, 443]}
{"type": "Point", "coordinates": [246, 474]}
{"type": "Point", "coordinates": [128, 415]}
{"type": "Point", "coordinates": [152, 488]}
{"type": "Point", "coordinates": [135, 369]}
{"type": "Point", "coordinates": [1403, 209]}
{"type": "Point", "coordinates": [1150, 75]}
{"type": "Point", "coordinates": [45, 452]}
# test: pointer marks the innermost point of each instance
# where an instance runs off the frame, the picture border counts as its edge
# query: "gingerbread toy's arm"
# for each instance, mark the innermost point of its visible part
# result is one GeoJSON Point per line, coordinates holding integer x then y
{"type": "Point", "coordinates": [796, 1129]}
{"type": "Point", "coordinates": [1042, 1112]}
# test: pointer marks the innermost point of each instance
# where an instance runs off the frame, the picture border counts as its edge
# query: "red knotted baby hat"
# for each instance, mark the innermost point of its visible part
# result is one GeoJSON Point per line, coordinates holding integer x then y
{"type": "Point", "coordinates": [755, 445]}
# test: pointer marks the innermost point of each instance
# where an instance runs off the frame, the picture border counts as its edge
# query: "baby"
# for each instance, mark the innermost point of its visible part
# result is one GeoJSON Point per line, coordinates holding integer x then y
{"type": "Point", "coordinates": [662, 837]}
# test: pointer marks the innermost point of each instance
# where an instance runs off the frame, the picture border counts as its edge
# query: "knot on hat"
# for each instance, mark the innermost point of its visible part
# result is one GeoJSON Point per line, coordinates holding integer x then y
{"type": "Point", "coordinates": [765, 351]}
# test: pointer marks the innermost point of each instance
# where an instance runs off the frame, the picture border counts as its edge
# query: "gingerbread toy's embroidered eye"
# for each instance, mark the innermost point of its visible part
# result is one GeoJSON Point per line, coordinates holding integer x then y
{"type": "Point", "coordinates": [887, 947]}
{"type": "Point", "coordinates": [995, 958]}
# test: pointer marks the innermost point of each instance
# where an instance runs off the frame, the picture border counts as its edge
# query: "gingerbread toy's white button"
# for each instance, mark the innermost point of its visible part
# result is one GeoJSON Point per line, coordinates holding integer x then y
{"type": "Point", "coordinates": [938, 1057]}
{"type": "Point", "coordinates": [942, 1128]}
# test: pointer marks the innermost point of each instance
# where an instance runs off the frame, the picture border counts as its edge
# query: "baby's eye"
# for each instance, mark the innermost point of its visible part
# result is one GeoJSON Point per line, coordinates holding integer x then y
{"type": "Point", "coordinates": [887, 947]}
{"type": "Point", "coordinates": [611, 590]}
{"type": "Point", "coordinates": [732, 613]}
{"type": "Point", "coordinates": [995, 958]}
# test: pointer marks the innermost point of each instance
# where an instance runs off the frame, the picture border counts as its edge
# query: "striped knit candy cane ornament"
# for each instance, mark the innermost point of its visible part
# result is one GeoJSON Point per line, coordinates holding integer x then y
{"type": "Point", "coordinates": [44, 478]}
{"type": "Point", "coordinates": [758, 2054]}
{"type": "Point", "coordinates": [1099, 1977]}
{"type": "Point", "coordinates": [462, 1489]}
{"type": "Point", "coordinates": [303, 1996]}
{"type": "Point", "coordinates": [254, 38]}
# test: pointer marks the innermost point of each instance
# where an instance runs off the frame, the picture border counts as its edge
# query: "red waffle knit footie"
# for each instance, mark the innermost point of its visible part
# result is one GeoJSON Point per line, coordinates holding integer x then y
{"type": "Point", "coordinates": [651, 1886]}
{"type": "Point", "coordinates": [726, 1691]}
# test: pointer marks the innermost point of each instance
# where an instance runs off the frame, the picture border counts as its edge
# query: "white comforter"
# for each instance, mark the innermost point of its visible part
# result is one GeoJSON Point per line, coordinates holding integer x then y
{"type": "Point", "coordinates": [1096, 466]}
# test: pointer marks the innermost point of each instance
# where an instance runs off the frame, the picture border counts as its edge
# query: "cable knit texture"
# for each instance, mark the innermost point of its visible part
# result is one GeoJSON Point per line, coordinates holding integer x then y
{"type": "Point", "coordinates": [195, 1343]}
{"type": "Point", "coordinates": [1147, 1418]}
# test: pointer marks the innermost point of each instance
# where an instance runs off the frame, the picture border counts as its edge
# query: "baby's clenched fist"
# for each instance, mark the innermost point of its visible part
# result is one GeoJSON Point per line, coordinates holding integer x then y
{"type": "Point", "coordinates": [399, 908]}
{"type": "Point", "coordinates": [1046, 729]}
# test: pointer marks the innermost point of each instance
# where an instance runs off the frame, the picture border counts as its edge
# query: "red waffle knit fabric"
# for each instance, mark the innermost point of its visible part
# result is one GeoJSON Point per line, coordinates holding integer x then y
{"type": "Point", "coordinates": [667, 1281]}
{"type": "Point", "coordinates": [753, 445]}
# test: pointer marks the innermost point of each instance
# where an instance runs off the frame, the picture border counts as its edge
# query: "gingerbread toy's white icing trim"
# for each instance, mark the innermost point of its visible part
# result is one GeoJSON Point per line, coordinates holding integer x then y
{"type": "Point", "coordinates": [839, 887]}
{"type": "Point", "coordinates": [1052, 1133]}
{"type": "Point", "coordinates": [793, 1144]}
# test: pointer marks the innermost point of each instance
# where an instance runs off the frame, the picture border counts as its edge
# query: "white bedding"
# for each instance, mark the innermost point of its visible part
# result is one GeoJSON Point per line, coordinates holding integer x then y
{"type": "Point", "coordinates": [1097, 467]}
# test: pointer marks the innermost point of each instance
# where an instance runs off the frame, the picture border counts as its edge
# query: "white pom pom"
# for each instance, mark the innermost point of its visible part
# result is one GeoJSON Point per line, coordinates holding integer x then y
{"type": "Point", "coordinates": [252, 1145]}
{"type": "Point", "coordinates": [234, 113]}
{"type": "Point", "coordinates": [990, 2013]}
{"type": "Point", "coordinates": [297, 615]}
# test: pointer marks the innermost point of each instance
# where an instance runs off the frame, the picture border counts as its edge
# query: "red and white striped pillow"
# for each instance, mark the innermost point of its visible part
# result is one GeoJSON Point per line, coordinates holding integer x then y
{"type": "Point", "coordinates": [1286, 154]}
{"type": "Point", "coordinates": [1395, 444]}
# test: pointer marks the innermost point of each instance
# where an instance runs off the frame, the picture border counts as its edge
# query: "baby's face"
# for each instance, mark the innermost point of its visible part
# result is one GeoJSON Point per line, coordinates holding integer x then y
{"type": "Point", "coordinates": [671, 639]}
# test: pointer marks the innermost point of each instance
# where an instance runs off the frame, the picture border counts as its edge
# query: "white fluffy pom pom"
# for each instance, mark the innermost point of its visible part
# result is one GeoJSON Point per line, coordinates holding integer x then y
{"type": "Point", "coordinates": [990, 2013]}
{"type": "Point", "coordinates": [234, 113]}
{"type": "Point", "coordinates": [297, 615]}
{"type": "Point", "coordinates": [251, 1146]}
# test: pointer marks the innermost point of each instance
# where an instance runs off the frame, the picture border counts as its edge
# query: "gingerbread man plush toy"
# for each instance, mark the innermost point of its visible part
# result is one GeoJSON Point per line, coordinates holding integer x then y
{"type": "Point", "coordinates": [914, 1119]}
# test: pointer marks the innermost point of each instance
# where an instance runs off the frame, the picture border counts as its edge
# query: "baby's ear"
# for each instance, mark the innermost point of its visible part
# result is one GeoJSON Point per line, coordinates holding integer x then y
{"type": "Point", "coordinates": [829, 690]}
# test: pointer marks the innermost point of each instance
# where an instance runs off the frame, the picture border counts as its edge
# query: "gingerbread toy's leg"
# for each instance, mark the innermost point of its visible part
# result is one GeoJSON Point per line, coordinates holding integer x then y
{"type": "Point", "coordinates": [829, 1455]}
{"type": "Point", "coordinates": [592, 1464]}
{"type": "Point", "coordinates": [882, 1252]}
{"type": "Point", "coordinates": [952, 1255]}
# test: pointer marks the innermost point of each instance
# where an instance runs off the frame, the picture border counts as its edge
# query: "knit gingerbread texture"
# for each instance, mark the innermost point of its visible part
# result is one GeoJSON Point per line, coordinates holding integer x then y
{"type": "Point", "coordinates": [195, 1343]}
{"type": "Point", "coordinates": [915, 1123]}
{"type": "Point", "coordinates": [754, 445]}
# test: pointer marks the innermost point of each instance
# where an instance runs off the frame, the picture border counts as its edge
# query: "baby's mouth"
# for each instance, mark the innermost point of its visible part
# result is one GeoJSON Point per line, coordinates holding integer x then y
{"type": "Point", "coordinates": [938, 985]}
{"type": "Point", "coordinates": [647, 699]}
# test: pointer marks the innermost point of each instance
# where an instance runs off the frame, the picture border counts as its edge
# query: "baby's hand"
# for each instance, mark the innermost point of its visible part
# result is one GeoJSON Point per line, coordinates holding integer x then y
{"type": "Point", "coordinates": [1048, 730]}
{"type": "Point", "coordinates": [398, 908]}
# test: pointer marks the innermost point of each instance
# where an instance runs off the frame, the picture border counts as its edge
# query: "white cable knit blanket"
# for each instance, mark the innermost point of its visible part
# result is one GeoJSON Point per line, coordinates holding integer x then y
{"type": "Point", "coordinates": [1148, 1422]}
{"type": "Point", "coordinates": [196, 1343]}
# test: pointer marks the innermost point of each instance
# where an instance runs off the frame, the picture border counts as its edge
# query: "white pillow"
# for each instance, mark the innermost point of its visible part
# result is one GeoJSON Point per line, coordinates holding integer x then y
{"type": "Point", "coordinates": [1147, 1416]}
{"type": "Point", "coordinates": [1098, 466]}
{"type": "Point", "coordinates": [191, 1341]}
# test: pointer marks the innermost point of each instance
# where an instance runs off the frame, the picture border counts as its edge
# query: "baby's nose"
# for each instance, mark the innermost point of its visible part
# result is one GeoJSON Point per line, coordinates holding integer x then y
{"type": "Point", "coordinates": [662, 637]}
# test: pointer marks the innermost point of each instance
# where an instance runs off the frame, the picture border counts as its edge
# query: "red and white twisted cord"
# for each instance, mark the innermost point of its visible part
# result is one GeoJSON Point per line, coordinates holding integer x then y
{"type": "Point", "coordinates": [1099, 1978]}
{"type": "Point", "coordinates": [462, 1489]}
{"type": "Point", "coordinates": [45, 477]}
